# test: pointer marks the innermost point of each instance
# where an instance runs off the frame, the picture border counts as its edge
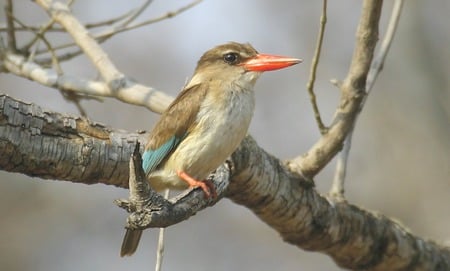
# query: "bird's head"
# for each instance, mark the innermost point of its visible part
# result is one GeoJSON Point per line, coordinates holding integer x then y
{"type": "Point", "coordinates": [237, 63]}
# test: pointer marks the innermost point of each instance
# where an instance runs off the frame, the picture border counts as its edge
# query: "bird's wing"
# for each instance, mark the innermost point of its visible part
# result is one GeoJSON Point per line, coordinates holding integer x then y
{"type": "Point", "coordinates": [173, 126]}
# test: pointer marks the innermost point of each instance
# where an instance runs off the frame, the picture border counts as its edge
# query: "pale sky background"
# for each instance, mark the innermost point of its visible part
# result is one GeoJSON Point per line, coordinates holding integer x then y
{"type": "Point", "coordinates": [399, 164]}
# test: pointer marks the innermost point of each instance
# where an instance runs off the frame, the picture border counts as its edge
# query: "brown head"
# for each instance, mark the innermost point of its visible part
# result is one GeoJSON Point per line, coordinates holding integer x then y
{"type": "Point", "coordinates": [238, 62]}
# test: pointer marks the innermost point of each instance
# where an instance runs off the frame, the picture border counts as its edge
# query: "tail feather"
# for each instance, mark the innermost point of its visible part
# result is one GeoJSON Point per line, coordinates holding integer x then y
{"type": "Point", "coordinates": [130, 242]}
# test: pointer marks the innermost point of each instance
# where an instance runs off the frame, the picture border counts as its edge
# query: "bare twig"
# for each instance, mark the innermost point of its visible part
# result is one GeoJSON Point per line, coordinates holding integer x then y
{"type": "Point", "coordinates": [142, 95]}
{"type": "Point", "coordinates": [160, 249]}
{"type": "Point", "coordinates": [378, 62]}
{"type": "Point", "coordinates": [168, 15]}
{"type": "Point", "coordinates": [10, 25]}
{"type": "Point", "coordinates": [137, 12]}
{"type": "Point", "coordinates": [353, 91]}
{"type": "Point", "coordinates": [314, 64]}
{"type": "Point", "coordinates": [75, 98]}
{"type": "Point", "coordinates": [60, 12]}
{"type": "Point", "coordinates": [118, 84]}
{"type": "Point", "coordinates": [87, 25]}
{"type": "Point", "coordinates": [108, 33]}
{"type": "Point", "coordinates": [69, 96]}
{"type": "Point", "coordinates": [38, 35]}
{"type": "Point", "coordinates": [337, 188]}
{"type": "Point", "coordinates": [109, 21]}
{"type": "Point", "coordinates": [129, 16]}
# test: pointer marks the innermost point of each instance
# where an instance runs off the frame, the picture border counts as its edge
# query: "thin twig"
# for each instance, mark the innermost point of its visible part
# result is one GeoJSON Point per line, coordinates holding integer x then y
{"type": "Point", "coordinates": [337, 188]}
{"type": "Point", "coordinates": [136, 13]}
{"type": "Point", "coordinates": [160, 250]}
{"type": "Point", "coordinates": [108, 33]}
{"type": "Point", "coordinates": [168, 15]}
{"type": "Point", "coordinates": [378, 62]}
{"type": "Point", "coordinates": [74, 98]}
{"type": "Point", "coordinates": [109, 21]}
{"type": "Point", "coordinates": [10, 25]}
{"type": "Point", "coordinates": [87, 25]}
{"type": "Point", "coordinates": [38, 35]}
{"type": "Point", "coordinates": [314, 64]}
{"type": "Point", "coordinates": [352, 92]}
{"type": "Point", "coordinates": [130, 16]}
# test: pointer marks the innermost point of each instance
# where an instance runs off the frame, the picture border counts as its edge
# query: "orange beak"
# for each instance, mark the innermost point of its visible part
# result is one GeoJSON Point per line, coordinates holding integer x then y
{"type": "Point", "coordinates": [265, 62]}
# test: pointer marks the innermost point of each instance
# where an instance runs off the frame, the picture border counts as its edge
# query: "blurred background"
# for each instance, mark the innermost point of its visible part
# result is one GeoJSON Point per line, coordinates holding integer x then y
{"type": "Point", "coordinates": [399, 163]}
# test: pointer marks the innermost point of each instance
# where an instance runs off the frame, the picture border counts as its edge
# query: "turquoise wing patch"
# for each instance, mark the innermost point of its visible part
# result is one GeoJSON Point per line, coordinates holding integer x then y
{"type": "Point", "coordinates": [152, 158]}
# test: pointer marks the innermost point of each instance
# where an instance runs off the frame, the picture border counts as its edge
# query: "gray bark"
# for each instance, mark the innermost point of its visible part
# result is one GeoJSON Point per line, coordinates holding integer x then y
{"type": "Point", "coordinates": [50, 145]}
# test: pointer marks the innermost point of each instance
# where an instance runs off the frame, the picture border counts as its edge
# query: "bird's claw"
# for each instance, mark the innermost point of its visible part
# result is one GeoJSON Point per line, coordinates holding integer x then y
{"type": "Point", "coordinates": [207, 186]}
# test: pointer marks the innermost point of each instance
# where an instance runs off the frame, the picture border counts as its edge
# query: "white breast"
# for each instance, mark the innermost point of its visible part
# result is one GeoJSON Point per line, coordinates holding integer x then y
{"type": "Point", "coordinates": [222, 123]}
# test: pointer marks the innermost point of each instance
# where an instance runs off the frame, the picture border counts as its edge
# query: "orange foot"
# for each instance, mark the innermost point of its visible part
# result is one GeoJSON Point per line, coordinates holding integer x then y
{"type": "Point", "coordinates": [206, 185]}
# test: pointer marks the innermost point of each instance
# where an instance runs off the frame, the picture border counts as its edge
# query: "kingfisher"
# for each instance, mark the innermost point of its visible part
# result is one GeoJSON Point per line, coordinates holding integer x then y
{"type": "Point", "coordinates": [206, 122]}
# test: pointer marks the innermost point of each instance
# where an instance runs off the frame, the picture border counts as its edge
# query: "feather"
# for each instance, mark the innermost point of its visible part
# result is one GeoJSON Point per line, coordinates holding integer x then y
{"type": "Point", "coordinates": [152, 158]}
{"type": "Point", "coordinates": [174, 125]}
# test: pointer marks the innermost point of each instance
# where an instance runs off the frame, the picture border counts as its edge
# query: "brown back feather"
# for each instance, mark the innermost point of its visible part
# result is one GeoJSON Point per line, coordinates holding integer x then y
{"type": "Point", "coordinates": [179, 118]}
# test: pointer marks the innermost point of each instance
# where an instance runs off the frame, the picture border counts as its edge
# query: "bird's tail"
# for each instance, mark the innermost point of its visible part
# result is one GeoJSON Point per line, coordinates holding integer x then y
{"type": "Point", "coordinates": [130, 242]}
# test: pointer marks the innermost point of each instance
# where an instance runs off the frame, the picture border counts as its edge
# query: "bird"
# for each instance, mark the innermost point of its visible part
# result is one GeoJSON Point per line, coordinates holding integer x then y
{"type": "Point", "coordinates": [206, 122]}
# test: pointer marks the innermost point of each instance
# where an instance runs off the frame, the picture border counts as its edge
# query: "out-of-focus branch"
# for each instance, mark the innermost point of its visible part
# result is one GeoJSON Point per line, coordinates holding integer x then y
{"type": "Point", "coordinates": [136, 13]}
{"type": "Point", "coordinates": [116, 81]}
{"type": "Point", "coordinates": [39, 34]}
{"type": "Point", "coordinates": [352, 95]}
{"type": "Point", "coordinates": [87, 25]}
{"type": "Point", "coordinates": [10, 25]}
{"type": "Point", "coordinates": [116, 84]}
{"type": "Point", "coordinates": [18, 65]}
{"type": "Point", "coordinates": [337, 188]}
{"type": "Point", "coordinates": [60, 12]}
{"type": "Point", "coordinates": [168, 15]}
{"type": "Point", "coordinates": [385, 45]}
{"type": "Point", "coordinates": [127, 26]}
{"type": "Point", "coordinates": [314, 64]}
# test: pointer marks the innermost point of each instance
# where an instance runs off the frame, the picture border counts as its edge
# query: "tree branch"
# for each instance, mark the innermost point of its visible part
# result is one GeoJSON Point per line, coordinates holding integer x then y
{"type": "Point", "coordinates": [352, 95]}
{"type": "Point", "coordinates": [119, 85]}
{"type": "Point", "coordinates": [127, 25]}
{"type": "Point", "coordinates": [45, 144]}
{"type": "Point", "coordinates": [137, 94]}
{"type": "Point", "coordinates": [337, 188]}
{"type": "Point", "coordinates": [312, 74]}
{"type": "Point", "coordinates": [10, 25]}
{"type": "Point", "coordinates": [49, 145]}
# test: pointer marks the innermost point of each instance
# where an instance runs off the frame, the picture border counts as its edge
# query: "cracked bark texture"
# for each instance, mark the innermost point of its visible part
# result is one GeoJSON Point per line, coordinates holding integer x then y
{"type": "Point", "coordinates": [50, 145]}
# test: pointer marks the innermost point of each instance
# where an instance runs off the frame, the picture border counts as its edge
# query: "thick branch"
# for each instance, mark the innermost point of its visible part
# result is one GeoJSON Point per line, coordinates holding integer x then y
{"type": "Point", "coordinates": [49, 145]}
{"type": "Point", "coordinates": [45, 144]}
{"type": "Point", "coordinates": [355, 238]}
{"type": "Point", "coordinates": [149, 209]}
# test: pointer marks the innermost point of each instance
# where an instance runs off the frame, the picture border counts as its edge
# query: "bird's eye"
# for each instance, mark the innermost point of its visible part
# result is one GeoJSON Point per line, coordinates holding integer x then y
{"type": "Point", "coordinates": [231, 58]}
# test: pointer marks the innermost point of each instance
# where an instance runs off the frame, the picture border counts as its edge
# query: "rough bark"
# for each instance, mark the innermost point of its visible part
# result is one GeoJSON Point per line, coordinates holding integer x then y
{"type": "Point", "coordinates": [47, 145]}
